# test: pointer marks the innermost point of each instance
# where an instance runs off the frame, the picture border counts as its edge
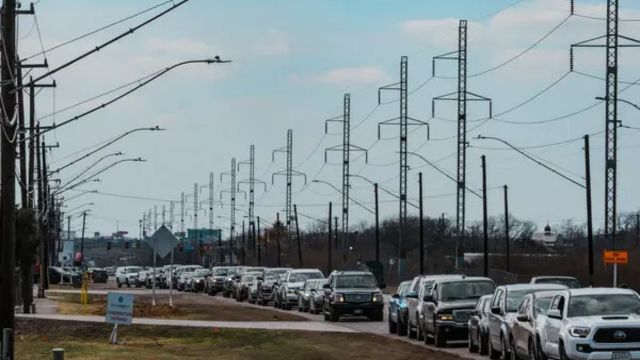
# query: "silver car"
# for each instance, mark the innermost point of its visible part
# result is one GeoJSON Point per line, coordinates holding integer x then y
{"type": "Point", "coordinates": [527, 331]}
{"type": "Point", "coordinates": [585, 324]}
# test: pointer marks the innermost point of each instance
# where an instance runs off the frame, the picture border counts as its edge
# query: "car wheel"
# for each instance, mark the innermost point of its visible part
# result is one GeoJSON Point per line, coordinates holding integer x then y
{"type": "Point", "coordinates": [326, 316]}
{"type": "Point", "coordinates": [513, 355]}
{"type": "Point", "coordinates": [378, 315]}
{"type": "Point", "coordinates": [393, 326]}
{"type": "Point", "coordinates": [531, 350]}
{"type": "Point", "coordinates": [119, 284]}
{"type": "Point", "coordinates": [300, 308]}
{"type": "Point", "coordinates": [419, 332]}
{"type": "Point", "coordinates": [540, 355]}
{"type": "Point", "coordinates": [563, 353]}
{"type": "Point", "coordinates": [402, 329]}
{"type": "Point", "coordinates": [504, 352]}
{"type": "Point", "coordinates": [473, 348]}
{"type": "Point", "coordinates": [438, 337]}
{"type": "Point", "coordinates": [482, 346]}
{"type": "Point", "coordinates": [410, 333]}
{"type": "Point", "coordinates": [334, 316]}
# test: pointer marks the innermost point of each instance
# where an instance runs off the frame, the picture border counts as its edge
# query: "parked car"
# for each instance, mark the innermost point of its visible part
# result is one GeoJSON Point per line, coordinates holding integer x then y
{"type": "Point", "coordinates": [317, 298]}
{"type": "Point", "coordinates": [354, 293]}
{"type": "Point", "coordinates": [242, 290]}
{"type": "Point", "coordinates": [215, 283]}
{"type": "Point", "coordinates": [111, 270]}
{"type": "Point", "coordinates": [98, 275]}
{"type": "Point", "coordinates": [445, 316]}
{"type": "Point", "coordinates": [527, 331]}
{"type": "Point", "coordinates": [504, 306]}
{"type": "Point", "coordinates": [197, 280]}
{"type": "Point", "coordinates": [568, 281]}
{"type": "Point", "coordinates": [594, 323]}
{"type": "Point", "coordinates": [127, 275]}
{"type": "Point", "coordinates": [141, 279]}
{"type": "Point", "coordinates": [253, 291]}
{"type": "Point", "coordinates": [183, 279]}
{"type": "Point", "coordinates": [267, 287]}
{"type": "Point", "coordinates": [420, 287]}
{"type": "Point", "coordinates": [233, 275]}
{"type": "Point", "coordinates": [55, 275]}
{"type": "Point", "coordinates": [292, 283]}
{"type": "Point", "coordinates": [305, 295]}
{"type": "Point", "coordinates": [479, 326]}
{"type": "Point", "coordinates": [397, 316]}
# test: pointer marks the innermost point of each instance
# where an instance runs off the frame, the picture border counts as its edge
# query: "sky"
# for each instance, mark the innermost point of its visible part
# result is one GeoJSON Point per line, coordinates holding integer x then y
{"type": "Point", "coordinates": [292, 63]}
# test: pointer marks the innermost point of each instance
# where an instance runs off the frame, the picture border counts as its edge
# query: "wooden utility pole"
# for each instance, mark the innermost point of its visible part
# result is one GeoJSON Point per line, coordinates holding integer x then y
{"type": "Point", "coordinates": [8, 170]}
{"type": "Point", "coordinates": [295, 214]}
{"type": "Point", "coordinates": [506, 227]}
{"type": "Point", "coordinates": [329, 245]}
{"type": "Point", "coordinates": [485, 231]}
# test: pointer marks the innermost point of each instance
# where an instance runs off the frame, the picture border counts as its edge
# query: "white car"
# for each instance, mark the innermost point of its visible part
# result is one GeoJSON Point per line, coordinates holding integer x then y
{"type": "Point", "coordinates": [593, 323]}
{"type": "Point", "coordinates": [292, 283]}
{"type": "Point", "coordinates": [127, 275]}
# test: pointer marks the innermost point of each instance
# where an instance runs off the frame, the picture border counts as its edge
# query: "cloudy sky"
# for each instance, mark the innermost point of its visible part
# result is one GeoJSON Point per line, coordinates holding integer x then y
{"type": "Point", "coordinates": [293, 61]}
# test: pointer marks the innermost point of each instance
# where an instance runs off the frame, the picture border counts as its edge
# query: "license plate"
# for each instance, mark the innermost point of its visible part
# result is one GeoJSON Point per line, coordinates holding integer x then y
{"type": "Point", "coordinates": [621, 356]}
{"type": "Point", "coordinates": [359, 312]}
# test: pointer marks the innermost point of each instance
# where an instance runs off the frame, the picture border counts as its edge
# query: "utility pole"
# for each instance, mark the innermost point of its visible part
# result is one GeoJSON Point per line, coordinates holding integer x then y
{"type": "Point", "coordinates": [346, 148]}
{"type": "Point", "coordinates": [461, 97]}
{"type": "Point", "coordinates": [329, 240]}
{"type": "Point", "coordinates": [587, 167]}
{"type": "Point", "coordinates": [506, 227]}
{"type": "Point", "coordinates": [182, 213]}
{"type": "Point", "coordinates": [171, 212]}
{"type": "Point", "coordinates": [211, 202]}
{"type": "Point", "coordinates": [295, 214]}
{"type": "Point", "coordinates": [8, 171]}
{"type": "Point", "coordinates": [44, 211]}
{"type": "Point", "coordinates": [84, 221]}
{"type": "Point", "coordinates": [43, 271]}
{"type": "Point", "coordinates": [485, 225]}
{"type": "Point", "coordinates": [258, 244]}
{"type": "Point", "coordinates": [421, 225]}
{"type": "Point", "coordinates": [24, 202]}
{"type": "Point", "coordinates": [335, 231]}
{"type": "Point", "coordinates": [278, 237]}
{"type": "Point", "coordinates": [403, 121]}
{"type": "Point", "coordinates": [252, 182]}
{"type": "Point", "coordinates": [164, 215]}
{"type": "Point", "coordinates": [155, 217]}
{"type": "Point", "coordinates": [289, 172]}
{"type": "Point", "coordinates": [243, 243]}
{"type": "Point", "coordinates": [375, 191]}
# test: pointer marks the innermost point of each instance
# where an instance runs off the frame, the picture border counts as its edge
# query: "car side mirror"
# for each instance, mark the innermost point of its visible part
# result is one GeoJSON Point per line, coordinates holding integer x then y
{"type": "Point", "coordinates": [412, 295]}
{"type": "Point", "coordinates": [496, 310]}
{"type": "Point", "coordinates": [395, 296]}
{"type": "Point", "coordinates": [523, 317]}
{"type": "Point", "coordinates": [554, 314]}
{"type": "Point", "coordinates": [326, 286]}
{"type": "Point", "coordinates": [428, 298]}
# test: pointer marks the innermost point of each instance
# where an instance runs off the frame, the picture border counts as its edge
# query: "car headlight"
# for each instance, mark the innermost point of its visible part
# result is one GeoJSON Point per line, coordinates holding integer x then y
{"type": "Point", "coordinates": [579, 331]}
{"type": "Point", "coordinates": [377, 298]}
{"type": "Point", "coordinates": [445, 317]}
{"type": "Point", "coordinates": [338, 298]}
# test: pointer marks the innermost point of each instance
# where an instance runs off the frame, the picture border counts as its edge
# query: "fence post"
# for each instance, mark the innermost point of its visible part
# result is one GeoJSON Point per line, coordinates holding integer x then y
{"type": "Point", "coordinates": [58, 354]}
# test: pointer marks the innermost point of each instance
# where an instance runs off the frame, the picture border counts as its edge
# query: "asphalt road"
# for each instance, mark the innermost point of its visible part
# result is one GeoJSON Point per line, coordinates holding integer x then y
{"type": "Point", "coordinates": [346, 323]}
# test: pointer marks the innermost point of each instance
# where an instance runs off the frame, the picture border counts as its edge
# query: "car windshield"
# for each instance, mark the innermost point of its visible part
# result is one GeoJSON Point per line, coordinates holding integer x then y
{"type": "Point", "coordinates": [270, 276]}
{"type": "Point", "coordinates": [402, 291]}
{"type": "Point", "coordinates": [515, 297]}
{"type": "Point", "coordinates": [465, 290]}
{"type": "Point", "coordinates": [220, 272]}
{"type": "Point", "coordinates": [542, 305]}
{"type": "Point", "coordinates": [247, 278]}
{"type": "Point", "coordinates": [356, 281]}
{"type": "Point", "coordinates": [201, 272]}
{"type": "Point", "coordinates": [320, 283]}
{"type": "Point", "coordinates": [568, 282]}
{"type": "Point", "coordinates": [298, 277]}
{"type": "Point", "coordinates": [133, 270]}
{"type": "Point", "coordinates": [593, 305]}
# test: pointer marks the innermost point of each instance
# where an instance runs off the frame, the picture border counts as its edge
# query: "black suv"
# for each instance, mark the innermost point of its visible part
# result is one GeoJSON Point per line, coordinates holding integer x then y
{"type": "Point", "coordinates": [352, 292]}
{"type": "Point", "coordinates": [447, 309]}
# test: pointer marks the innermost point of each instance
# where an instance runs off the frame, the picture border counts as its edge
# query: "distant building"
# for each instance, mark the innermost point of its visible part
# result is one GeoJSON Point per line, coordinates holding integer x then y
{"type": "Point", "coordinates": [546, 238]}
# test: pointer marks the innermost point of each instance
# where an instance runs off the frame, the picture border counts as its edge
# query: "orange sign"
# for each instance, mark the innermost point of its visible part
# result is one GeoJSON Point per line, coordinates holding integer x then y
{"type": "Point", "coordinates": [615, 256]}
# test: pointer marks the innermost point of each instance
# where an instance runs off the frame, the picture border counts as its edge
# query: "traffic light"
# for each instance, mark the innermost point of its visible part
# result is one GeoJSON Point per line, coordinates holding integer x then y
{"type": "Point", "coordinates": [126, 244]}
{"type": "Point", "coordinates": [108, 245]}
{"type": "Point", "coordinates": [181, 247]}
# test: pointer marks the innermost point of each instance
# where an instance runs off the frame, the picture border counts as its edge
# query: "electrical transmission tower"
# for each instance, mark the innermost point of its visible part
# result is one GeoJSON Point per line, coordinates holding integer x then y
{"type": "Point", "coordinates": [233, 189]}
{"type": "Point", "coordinates": [403, 121]}
{"type": "Point", "coordinates": [346, 149]}
{"type": "Point", "coordinates": [612, 45]}
{"type": "Point", "coordinates": [171, 214]}
{"type": "Point", "coordinates": [251, 181]}
{"type": "Point", "coordinates": [461, 96]}
{"type": "Point", "coordinates": [182, 213]}
{"type": "Point", "coordinates": [289, 172]}
{"type": "Point", "coordinates": [211, 201]}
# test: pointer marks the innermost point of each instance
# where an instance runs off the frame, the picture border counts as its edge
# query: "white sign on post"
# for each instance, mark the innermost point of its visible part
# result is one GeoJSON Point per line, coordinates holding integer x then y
{"type": "Point", "coordinates": [119, 308]}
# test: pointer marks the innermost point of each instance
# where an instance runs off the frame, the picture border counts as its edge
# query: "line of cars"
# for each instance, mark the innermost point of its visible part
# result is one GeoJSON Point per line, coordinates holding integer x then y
{"type": "Point", "coordinates": [548, 318]}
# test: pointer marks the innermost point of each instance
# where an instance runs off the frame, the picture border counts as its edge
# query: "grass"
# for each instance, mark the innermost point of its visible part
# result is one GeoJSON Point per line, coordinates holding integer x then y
{"type": "Point", "coordinates": [36, 338]}
{"type": "Point", "coordinates": [185, 308]}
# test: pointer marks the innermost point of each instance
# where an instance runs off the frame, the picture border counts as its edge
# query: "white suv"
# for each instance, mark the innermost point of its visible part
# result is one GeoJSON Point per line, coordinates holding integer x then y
{"type": "Point", "coordinates": [127, 275]}
{"type": "Point", "coordinates": [593, 324]}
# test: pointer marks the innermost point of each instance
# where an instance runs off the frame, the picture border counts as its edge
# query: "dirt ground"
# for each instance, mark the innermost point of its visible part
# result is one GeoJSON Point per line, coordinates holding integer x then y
{"type": "Point", "coordinates": [186, 307]}
{"type": "Point", "coordinates": [36, 338]}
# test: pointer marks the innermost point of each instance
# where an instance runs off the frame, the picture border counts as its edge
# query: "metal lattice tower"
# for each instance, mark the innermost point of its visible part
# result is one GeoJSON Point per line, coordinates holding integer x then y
{"type": "Point", "coordinates": [171, 214]}
{"type": "Point", "coordinates": [233, 190]}
{"type": "Point", "coordinates": [289, 172]}
{"type": "Point", "coordinates": [211, 201]}
{"type": "Point", "coordinates": [462, 95]}
{"type": "Point", "coordinates": [195, 206]}
{"type": "Point", "coordinates": [403, 122]}
{"type": "Point", "coordinates": [346, 148]}
{"type": "Point", "coordinates": [155, 217]}
{"type": "Point", "coordinates": [252, 182]}
{"type": "Point", "coordinates": [164, 215]}
{"type": "Point", "coordinates": [182, 212]}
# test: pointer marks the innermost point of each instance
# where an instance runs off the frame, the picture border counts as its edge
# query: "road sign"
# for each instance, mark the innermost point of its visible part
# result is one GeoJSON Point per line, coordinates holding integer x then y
{"type": "Point", "coordinates": [615, 256]}
{"type": "Point", "coordinates": [162, 241]}
{"type": "Point", "coordinates": [119, 308]}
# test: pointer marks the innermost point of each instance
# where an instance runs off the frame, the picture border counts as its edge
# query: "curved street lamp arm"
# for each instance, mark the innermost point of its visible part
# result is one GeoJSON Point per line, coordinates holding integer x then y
{"type": "Point", "coordinates": [70, 186]}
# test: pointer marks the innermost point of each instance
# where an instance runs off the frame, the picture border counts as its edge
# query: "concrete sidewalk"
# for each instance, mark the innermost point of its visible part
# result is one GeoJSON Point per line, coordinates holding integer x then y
{"type": "Point", "coordinates": [264, 325]}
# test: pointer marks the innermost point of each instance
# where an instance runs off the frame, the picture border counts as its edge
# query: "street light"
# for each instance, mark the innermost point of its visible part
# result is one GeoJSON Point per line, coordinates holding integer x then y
{"type": "Point", "coordinates": [340, 192]}
{"type": "Point", "coordinates": [71, 186]}
{"type": "Point", "coordinates": [80, 206]}
{"type": "Point", "coordinates": [442, 172]}
{"type": "Point", "coordinates": [94, 165]}
{"type": "Point", "coordinates": [586, 187]}
{"type": "Point", "coordinates": [620, 100]}
{"type": "Point", "coordinates": [154, 128]}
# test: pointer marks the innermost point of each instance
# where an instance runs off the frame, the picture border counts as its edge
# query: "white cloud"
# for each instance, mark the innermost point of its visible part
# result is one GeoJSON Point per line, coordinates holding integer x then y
{"type": "Point", "coordinates": [364, 75]}
{"type": "Point", "coordinates": [273, 43]}
{"type": "Point", "coordinates": [438, 32]}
